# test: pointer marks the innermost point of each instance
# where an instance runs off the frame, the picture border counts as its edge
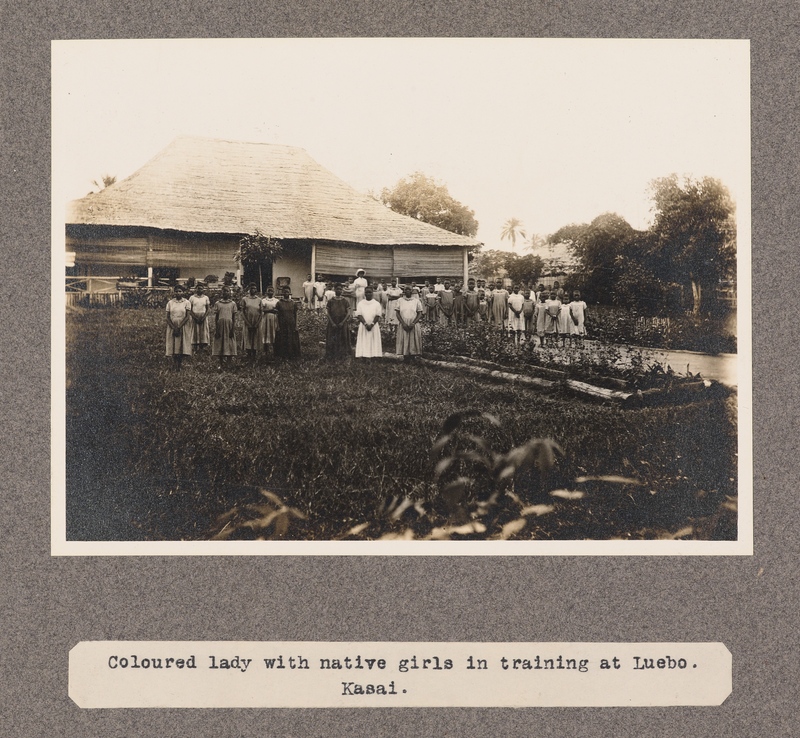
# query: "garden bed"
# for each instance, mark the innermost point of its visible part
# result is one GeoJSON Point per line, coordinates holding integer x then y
{"type": "Point", "coordinates": [602, 366]}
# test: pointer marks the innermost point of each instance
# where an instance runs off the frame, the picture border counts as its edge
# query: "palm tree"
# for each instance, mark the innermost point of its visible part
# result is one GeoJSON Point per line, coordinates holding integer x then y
{"type": "Point", "coordinates": [512, 230]}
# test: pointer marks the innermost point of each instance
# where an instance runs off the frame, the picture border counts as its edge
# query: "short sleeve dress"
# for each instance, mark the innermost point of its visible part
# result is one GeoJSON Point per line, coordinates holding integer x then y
{"type": "Point", "coordinates": [577, 309]}
{"type": "Point", "coordinates": [224, 343]}
{"type": "Point", "coordinates": [409, 343]}
{"type": "Point", "coordinates": [516, 322]}
{"type": "Point", "coordinates": [251, 310]}
{"type": "Point", "coordinates": [182, 343]}
{"type": "Point", "coordinates": [269, 323]}
{"type": "Point", "coordinates": [368, 343]}
{"type": "Point", "coordinates": [200, 306]}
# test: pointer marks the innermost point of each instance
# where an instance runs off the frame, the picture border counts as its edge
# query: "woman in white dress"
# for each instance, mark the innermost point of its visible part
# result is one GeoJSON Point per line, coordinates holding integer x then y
{"type": "Point", "coordinates": [360, 285]}
{"type": "Point", "coordinates": [368, 314]}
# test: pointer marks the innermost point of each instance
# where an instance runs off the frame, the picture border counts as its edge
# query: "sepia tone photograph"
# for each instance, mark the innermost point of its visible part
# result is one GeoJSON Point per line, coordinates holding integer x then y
{"type": "Point", "coordinates": [418, 296]}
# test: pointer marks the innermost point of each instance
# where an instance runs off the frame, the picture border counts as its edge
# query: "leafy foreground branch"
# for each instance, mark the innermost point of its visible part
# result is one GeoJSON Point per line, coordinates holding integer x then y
{"type": "Point", "coordinates": [475, 497]}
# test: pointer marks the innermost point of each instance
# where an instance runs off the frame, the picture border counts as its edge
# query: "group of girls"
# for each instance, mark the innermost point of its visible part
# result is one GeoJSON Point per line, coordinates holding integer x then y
{"type": "Point", "coordinates": [269, 324]}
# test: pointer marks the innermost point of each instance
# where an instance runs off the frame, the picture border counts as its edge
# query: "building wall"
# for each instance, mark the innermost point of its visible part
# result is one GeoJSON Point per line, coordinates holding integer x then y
{"type": "Point", "coordinates": [295, 264]}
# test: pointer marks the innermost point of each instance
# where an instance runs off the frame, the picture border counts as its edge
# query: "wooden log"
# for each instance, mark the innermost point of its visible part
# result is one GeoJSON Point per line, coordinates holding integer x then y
{"type": "Point", "coordinates": [594, 391]}
{"type": "Point", "coordinates": [481, 371]}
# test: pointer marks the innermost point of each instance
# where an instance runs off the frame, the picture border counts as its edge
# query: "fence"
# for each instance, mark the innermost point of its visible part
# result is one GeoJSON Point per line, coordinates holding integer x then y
{"type": "Point", "coordinates": [92, 291]}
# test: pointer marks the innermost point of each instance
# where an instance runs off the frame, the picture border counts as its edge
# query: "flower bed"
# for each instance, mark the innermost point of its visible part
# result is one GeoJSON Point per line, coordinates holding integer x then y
{"type": "Point", "coordinates": [602, 365]}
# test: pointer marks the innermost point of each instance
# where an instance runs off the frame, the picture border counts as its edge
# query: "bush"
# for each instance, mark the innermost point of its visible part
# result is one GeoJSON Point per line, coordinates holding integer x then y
{"type": "Point", "coordinates": [686, 331]}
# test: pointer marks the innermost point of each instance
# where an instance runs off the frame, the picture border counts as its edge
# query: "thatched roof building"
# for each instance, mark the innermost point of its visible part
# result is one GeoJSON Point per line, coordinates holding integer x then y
{"type": "Point", "coordinates": [186, 209]}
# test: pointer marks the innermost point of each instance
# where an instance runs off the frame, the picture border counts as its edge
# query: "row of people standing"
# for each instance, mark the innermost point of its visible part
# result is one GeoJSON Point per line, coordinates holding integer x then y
{"type": "Point", "coordinates": [267, 323]}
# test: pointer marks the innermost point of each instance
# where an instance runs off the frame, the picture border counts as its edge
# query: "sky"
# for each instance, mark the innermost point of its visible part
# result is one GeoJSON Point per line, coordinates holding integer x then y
{"type": "Point", "coordinates": [548, 131]}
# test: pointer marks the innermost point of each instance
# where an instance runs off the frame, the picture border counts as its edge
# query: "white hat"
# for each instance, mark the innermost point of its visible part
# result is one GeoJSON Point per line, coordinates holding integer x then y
{"type": "Point", "coordinates": [360, 271]}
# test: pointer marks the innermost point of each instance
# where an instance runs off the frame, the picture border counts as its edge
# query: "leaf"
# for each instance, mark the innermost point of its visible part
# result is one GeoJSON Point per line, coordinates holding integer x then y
{"type": "Point", "coordinates": [507, 471]}
{"type": "Point", "coordinates": [401, 508]}
{"type": "Point", "coordinates": [611, 479]}
{"type": "Point", "coordinates": [442, 466]}
{"type": "Point", "coordinates": [481, 443]}
{"type": "Point", "coordinates": [272, 497]}
{"type": "Point", "coordinates": [406, 535]}
{"type": "Point", "coordinates": [511, 528]}
{"type": "Point", "coordinates": [356, 529]}
{"type": "Point", "coordinates": [477, 458]}
{"type": "Point", "coordinates": [537, 510]}
{"type": "Point", "coordinates": [439, 444]}
{"type": "Point", "coordinates": [682, 533]}
{"type": "Point", "coordinates": [566, 494]}
{"type": "Point", "coordinates": [281, 525]}
{"type": "Point", "coordinates": [452, 422]}
{"type": "Point", "coordinates": [445, 532]}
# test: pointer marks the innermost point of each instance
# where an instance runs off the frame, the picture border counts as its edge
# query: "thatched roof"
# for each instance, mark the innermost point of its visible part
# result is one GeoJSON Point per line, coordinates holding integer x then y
{"type": "Point", "coordinates": [204, 185]}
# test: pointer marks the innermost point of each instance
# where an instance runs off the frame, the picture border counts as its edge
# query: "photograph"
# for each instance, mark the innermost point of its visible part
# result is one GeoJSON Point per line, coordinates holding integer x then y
{"type": "Point", "coordinates": [401, 296]}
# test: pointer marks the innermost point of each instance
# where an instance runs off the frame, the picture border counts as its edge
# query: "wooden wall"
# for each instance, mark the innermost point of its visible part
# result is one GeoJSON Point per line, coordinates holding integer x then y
{"type": "Point", "coordinates": [197, 255]}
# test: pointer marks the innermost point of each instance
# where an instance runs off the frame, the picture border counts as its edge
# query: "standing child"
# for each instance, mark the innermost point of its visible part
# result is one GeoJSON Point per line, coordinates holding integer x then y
{"type": "Point", "coordinates": [527, 313]}
{"type": "Point", "coordinates": [498, 306]}
{"type": "Point", "coordinates": [224, 327]}
{"type": "Point", "coordinates": [446, 304]}
{"type": "Point", "coordinates": [269, 321]}
{"type": "Point", "coordinates": [431, 306]}
{"type": "Point", "coordinates": [540, 317]}
{"type": "Point", "coordinates": [516, 323]}
{"type": "Point", "coordinates": [458, 303]}
{"type": "Point", "coordinates": [368, 314]}
{"type": "Point", "coordinates": [308, 293]}
{"type": "Point", "coordinates": [563, 322]}
{"type": "Point", "coordinates": [200, 306]}
{"type": "Point", "coordinates": [287, 339]}
{"type": "Point", "coordinates": [577, 311]}
{"type": "Point", "coordinates": [349, 293]}
{"type": "Point", "coordinates": [319, 294]}
{"type": "Point", "coordinates": [409, 331]}
{"type": "Point", "coordinates": [470, 303]}
{"type": "Point", "coordinates": [179, 328]}
{"type": "Point", "coordinates": [393, 294]}
{"type": "Point", "coordinates": [483, 307]}
{"type": "Point", "coordinates": [552, 312]}
{"type": "Point", "coordinates": [337, 333]}
{"type": "Point", "coordinates": [251, 313]}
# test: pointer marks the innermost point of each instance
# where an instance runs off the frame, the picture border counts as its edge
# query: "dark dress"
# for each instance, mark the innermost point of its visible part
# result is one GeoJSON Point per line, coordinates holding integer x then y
{"type": "Point", "coordinates": [337, 340]}
{"type": "Point", "coordinates": [287, 339]}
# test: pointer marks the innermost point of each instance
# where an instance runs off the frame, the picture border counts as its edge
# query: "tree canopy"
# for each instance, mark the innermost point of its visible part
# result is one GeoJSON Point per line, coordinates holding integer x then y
{"type": "Point", "coordinates": [691, 242]}
{"type": "Point", "coordinates": [694, 231]}
{"type": "Point", "coordinates": [493, 263]}
{"type": "Point", "coordinates": [422, 197]}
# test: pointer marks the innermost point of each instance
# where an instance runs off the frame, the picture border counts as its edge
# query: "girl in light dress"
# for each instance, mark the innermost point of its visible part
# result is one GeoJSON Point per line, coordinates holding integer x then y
{"type": "Point", "coordinates": [368, 314]}
{"type": "Point", "coordinates": [224, 328]}
{"type": "Point", "coordinates": [563, 323]}
{"type": "Point", "coordinates": [200, 306]}
{"type": "Point", "coordinates": [251, 313]}
{"type": "Point", "coordinates": [516, 321]}
{"type": "Point", "coordinates": [269, 321]}
{"type": "Point", "coordinates": [179, 328]}
{"type": "Point", "coordinates": [577, 311]}
{"type": "Point", "coordinates": [409, 331]}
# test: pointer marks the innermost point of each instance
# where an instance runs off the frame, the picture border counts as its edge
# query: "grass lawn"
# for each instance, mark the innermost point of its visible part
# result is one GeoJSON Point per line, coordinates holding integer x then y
{"type": "Point", "coordinates": [158, 455]}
